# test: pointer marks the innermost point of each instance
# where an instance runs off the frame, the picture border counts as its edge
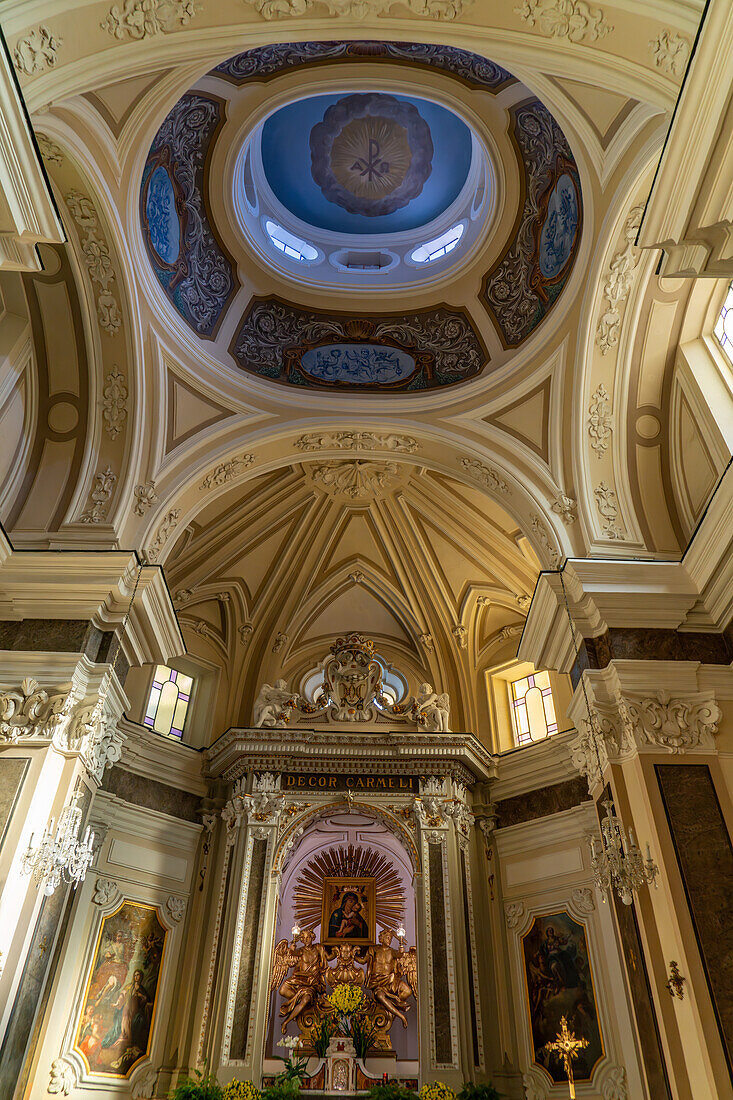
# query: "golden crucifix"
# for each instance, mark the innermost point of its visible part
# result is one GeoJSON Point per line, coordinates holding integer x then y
{"type": "Point", "coordinates": [567, 1047]}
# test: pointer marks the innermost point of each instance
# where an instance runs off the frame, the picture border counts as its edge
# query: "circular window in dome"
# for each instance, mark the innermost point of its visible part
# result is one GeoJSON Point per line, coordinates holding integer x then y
{"type": "Point", "coordinates": [367, 181]}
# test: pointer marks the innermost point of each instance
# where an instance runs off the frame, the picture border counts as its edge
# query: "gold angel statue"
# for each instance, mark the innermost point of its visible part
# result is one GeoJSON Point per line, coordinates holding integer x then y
{"type": "Point", "coordinates": [302, 989]}
{"type": "Point", "coordinates": [384, 976]}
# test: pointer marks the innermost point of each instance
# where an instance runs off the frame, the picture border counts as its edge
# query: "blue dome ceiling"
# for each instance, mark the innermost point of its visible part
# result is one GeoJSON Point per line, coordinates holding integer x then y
{"type": "Point", "coordinates": [366, 163]}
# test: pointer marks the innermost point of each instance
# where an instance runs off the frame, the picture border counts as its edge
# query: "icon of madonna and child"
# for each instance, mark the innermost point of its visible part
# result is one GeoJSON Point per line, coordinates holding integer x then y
{"type": "Point", "coordinates": [117, 1014]}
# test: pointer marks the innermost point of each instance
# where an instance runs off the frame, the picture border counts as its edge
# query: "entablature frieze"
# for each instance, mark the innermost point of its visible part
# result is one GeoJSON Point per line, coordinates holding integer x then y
{"type": "Point", "coordinates": [241, 751]}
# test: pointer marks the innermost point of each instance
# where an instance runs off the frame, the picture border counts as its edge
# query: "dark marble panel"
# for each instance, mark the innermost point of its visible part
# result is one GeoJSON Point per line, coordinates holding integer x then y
{"type": "Point", "coordinates": [29, 997]}
{"type": "Point", "coordinates": [640, 990]}
{"type": "Point", "coordinates": [250, 940]}
{"type": "Point", "coordinates": [705, 859]}
{"type": "Point", "coordinates": [142, 791]}
{"type": "Point", "coordinates": [57, 636]}
{"type": "Point", "coordinates": [439, 960]}
{"type": "Point", "coordinates": [12, 774]}
{"type": "Point", "coordinates": [472, 978]}
{"type": "Point", "coordinates": [541, 803]}
{"type": "Point", "coordinates": [637, 644]}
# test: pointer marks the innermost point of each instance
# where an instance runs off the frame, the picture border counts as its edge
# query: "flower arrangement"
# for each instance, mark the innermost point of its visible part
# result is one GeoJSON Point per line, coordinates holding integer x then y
{"type": "Point", "coordinates": [347, 999]}
{"type": "Point", "coordinates": [436, 1091]}
{"type": "Point", "coordinates": [241, 1090]}
{"type": "Point", "coordinates": [294, 1071]}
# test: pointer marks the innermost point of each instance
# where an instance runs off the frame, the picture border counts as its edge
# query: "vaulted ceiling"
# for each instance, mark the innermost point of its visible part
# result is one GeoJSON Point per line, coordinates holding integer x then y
{"type": "Point", "coordinates": [557, 411]}
{"type": "Point", "coordinates": [439, 577]}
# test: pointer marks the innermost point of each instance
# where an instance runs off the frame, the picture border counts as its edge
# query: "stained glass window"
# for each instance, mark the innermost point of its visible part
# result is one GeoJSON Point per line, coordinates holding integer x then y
{"type": "Point", "coordinates": [724, 327]}
{"type": "Point", "coordinates": [170, 695]}
{"type": "Point", "coordinates": [533, 708]}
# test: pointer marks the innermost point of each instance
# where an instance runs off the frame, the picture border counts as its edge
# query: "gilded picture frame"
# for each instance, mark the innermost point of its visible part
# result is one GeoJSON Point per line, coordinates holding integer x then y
{"type": "Point", "coordinates": [115, 1027]}
{"type": "Point", "coordinates": [348, 911]}
{"type": "Point", "coordinates": [558, 981]}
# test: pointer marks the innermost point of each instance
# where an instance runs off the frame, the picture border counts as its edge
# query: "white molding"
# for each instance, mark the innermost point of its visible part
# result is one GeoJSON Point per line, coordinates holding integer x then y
{"type": "Point", "coordinates": [28, 216]}
{"type": "Point", "coordinates": [162, 758]}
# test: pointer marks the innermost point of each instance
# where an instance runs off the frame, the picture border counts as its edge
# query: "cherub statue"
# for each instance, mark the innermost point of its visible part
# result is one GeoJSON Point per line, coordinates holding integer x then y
{"type": "Point", "coordinates": [274, 705]}
{"type": "Point", "coordinates": [431, 710]}
{"type": "Point", "coordinates": [304, 986]}
{"type": "Point", "coordinates": [346, 968]}
{"type": "Point", "coordinates": [384, 976]}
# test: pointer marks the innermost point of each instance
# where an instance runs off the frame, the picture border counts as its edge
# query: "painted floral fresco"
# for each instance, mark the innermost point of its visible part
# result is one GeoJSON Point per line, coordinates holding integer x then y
{"type": "Point", "coordinates": [559, 983]}
{"type": "Point", "coordinates": [119, 1004]}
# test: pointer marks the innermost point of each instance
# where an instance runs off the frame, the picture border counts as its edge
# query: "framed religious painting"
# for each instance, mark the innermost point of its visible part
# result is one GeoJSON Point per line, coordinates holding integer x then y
{"type": "Point", "coordinates": [116, 1023]}
{"type": "Point", "coordinates": [348, 911]}
{"type": "Point", "coordinates": [559, 983]}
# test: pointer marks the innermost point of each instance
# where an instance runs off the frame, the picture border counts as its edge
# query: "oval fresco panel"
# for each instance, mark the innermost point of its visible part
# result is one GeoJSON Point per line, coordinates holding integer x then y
{"type": "Point", "coordinates": [358, 364]}
{"type": "Point", "coordinates": [162, 218]}
{"type": "Point", "coordinates": [560, 228]}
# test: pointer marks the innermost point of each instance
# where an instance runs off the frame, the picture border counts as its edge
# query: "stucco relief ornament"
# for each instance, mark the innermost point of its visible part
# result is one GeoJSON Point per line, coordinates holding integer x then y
{"type": "Point", "coordinates": [175, 908]}
{"type": "Point", "coordinates": [566, 508]}
{"type": "Point", "coordinates": [356, 480]}
{"type": "Point", "coordinates": [63, 1077]}
{"type": "Point", "coordinates": [37, 51]}
{"type": "Point", "coordinates": [168, 524]}
{"type": "Point", "coordinates": [571, 19]}
{"type": "Point", "coordinates": [145, 497]}
{"type": "Point", "coordinates": [31, 711]}
{"type": "Point", "coordinates": [676, 724]}
{"type": "Point", "coordinates": [514, 913]}
{"type": "Point", "coordinates": [600, 420]}
{"type": "Point", "coordinates": [460, 634]}
{"type": "Point", "coordinates": [97, 258]}
{"type": "Point", "coordinates": [614, 1086]}
{"type": "Point", "coordinates": [487, 475]}
{"type": "Point", "coordinates": [358, 9]}
{"type": "Point", "coordinates": [618, 283]}
{"type": "Point", "coordinates": [540, 532]}
{"type": "Point", "coordinates": [114, 402]}
{"type": "Point", "coordinates": [356, 441]}
{"type": "Point", "coordinates": [226, 471]}
{"type": "Point", "coordinates": [106, 892]}
{"type": "Point", "coordinates": [607, 505]}
{"type": "Point", "coordinates": [96, 509]}
{"type": "Point", "coordinates": [139, 19]}
{"type": "Point", "coordinates": [671, 52]}
{"type": "Point", "coordinates": [583, 899]}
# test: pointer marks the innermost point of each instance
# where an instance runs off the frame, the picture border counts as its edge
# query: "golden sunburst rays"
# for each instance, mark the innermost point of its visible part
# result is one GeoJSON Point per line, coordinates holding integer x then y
{"type": "Point", "coordinates": [349, 862]}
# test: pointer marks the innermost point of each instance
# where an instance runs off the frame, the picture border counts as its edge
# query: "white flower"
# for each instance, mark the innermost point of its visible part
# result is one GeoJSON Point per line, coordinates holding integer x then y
{"type": "Point", "coordinates": [290, 1042]}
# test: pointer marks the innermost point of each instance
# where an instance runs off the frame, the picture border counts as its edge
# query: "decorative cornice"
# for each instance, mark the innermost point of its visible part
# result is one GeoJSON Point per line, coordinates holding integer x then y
{"type": "Point", "coordinates": [240, 751]}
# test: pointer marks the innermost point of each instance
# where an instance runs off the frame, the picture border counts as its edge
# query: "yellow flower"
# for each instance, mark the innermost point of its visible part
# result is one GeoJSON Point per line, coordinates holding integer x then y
{"type": "Point", "coordinates": [241, 1090]}
{"type": "Point", "coordinates": [437, 1091]}
{"type": "Point", "coordinates": [347, 999]}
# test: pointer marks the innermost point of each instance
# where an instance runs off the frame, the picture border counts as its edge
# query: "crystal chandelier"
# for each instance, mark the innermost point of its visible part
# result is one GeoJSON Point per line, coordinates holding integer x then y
{"type": "Point", "coordinates": [60, 857]}
{"type": "Point", "coordinates": [618, 864]}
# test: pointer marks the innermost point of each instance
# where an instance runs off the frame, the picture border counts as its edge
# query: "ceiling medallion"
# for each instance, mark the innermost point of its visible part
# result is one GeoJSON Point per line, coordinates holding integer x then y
{"type": "Point", "coordinates": [371, 154]}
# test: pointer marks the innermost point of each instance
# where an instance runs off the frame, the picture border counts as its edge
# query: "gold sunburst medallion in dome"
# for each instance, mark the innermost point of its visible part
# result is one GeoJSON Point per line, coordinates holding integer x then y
{"type": "Point", "coordinates": [371, 156]}
{"type": "Point", "coordinates": [349, 861]}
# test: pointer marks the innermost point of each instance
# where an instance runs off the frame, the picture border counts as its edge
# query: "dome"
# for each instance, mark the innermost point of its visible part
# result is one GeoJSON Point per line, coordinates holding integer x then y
{"type": "Point", "coordinates": [363, 188]}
